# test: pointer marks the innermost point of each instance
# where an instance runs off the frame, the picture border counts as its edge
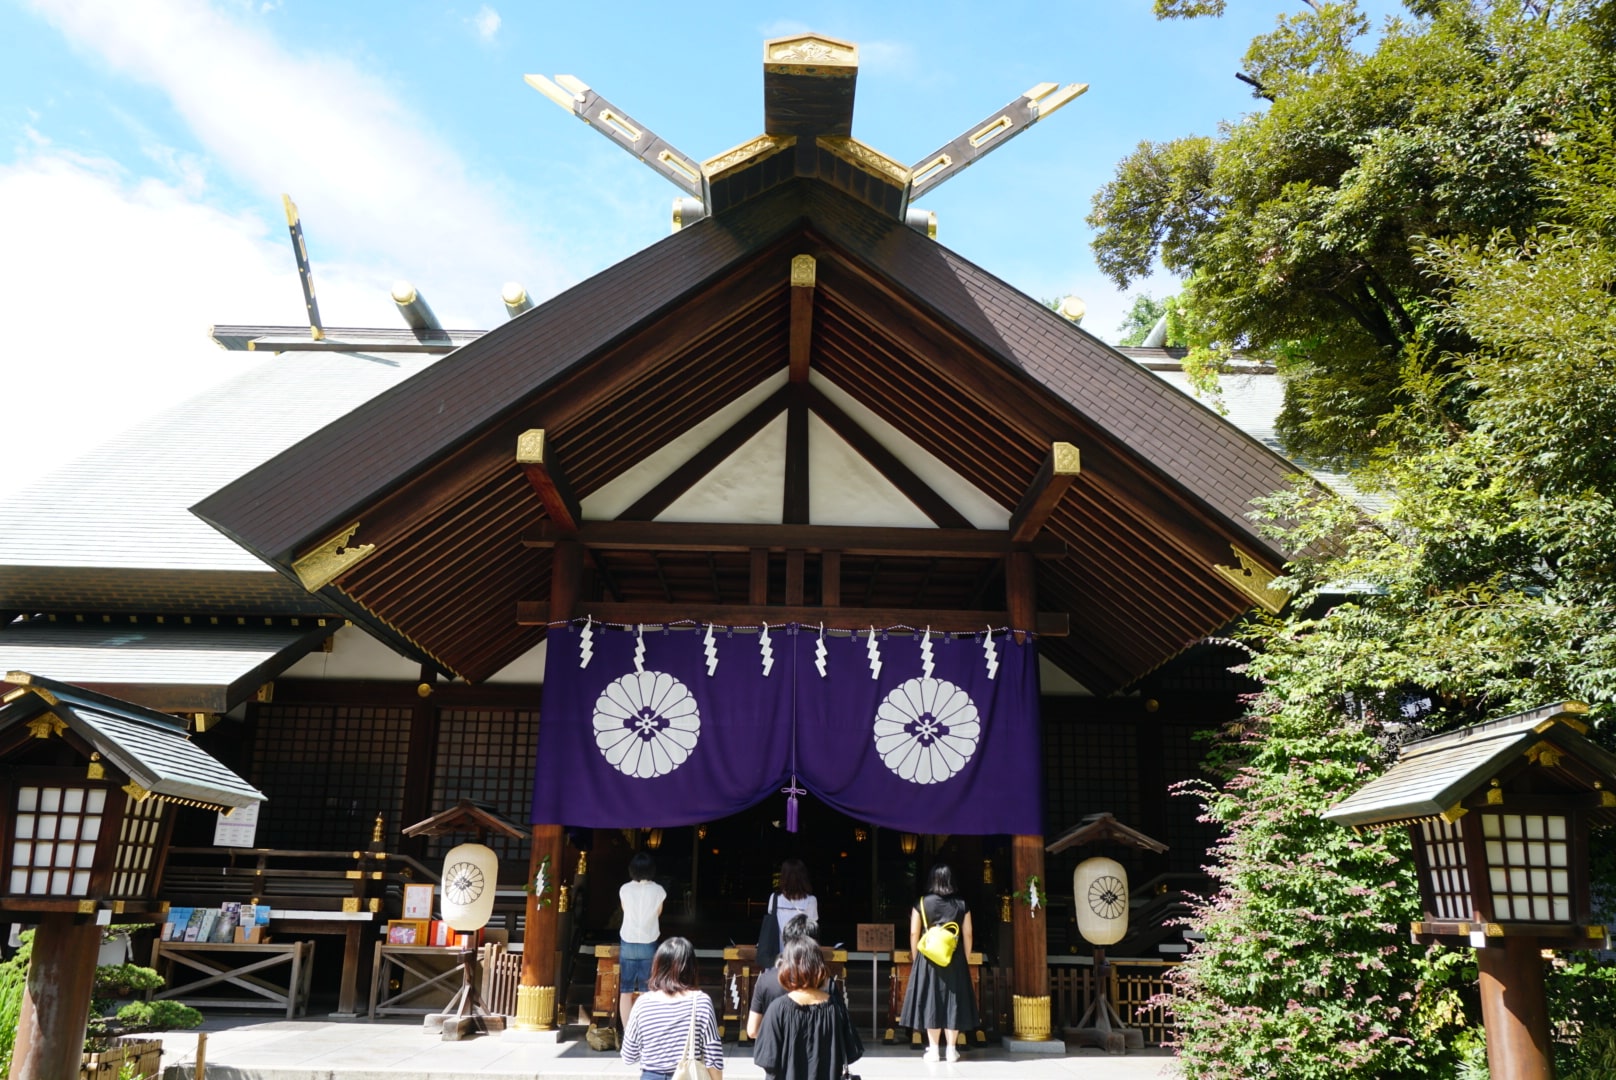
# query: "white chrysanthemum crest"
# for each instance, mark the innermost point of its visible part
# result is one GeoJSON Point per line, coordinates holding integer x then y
{"type": "Point", "coordinates": [926, 730]}
{"type": "Point", "coordinates": [767, 648]}
{"type": "Point", "coordinates": [646, 724]}
{"type": "Point", "coordinates": [990, 651]}
{"type": "Point", "coordinates": [586, 642]}
{"type": "Point", "coordinates": [926, 664]}
{"type": "Point", "coordinates": [819, 652]}
{"type": "Point", "coordinates": [710, 647]}
{"type": "Point", "coordinates": [873, 650]}
{"type": "Point", "coordinates": [639, 648]}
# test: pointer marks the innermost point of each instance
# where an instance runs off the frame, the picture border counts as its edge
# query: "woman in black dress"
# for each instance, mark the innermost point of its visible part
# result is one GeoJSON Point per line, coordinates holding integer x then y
{"type": "Point", "coordinates": [939, 999]}
{"type": "Point", "coordinates": [807, 1034]}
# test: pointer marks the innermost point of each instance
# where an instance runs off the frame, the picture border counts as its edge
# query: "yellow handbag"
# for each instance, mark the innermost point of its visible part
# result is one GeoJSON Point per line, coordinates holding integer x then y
{"type": "Point", "coordinates": [937, 943]}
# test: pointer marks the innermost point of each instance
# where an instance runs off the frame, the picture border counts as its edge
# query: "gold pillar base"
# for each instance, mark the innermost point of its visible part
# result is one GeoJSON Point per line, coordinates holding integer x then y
{"type": "Point", "coordinates": [1031, 1020]}
{"type": "Point", "coordinates": [536, 1008]}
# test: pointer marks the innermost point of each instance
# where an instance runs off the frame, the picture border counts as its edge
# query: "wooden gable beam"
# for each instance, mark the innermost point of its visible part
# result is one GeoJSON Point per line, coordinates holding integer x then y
{"type": "Point", "coordinates": [803, 276]}
{"type": "Point", "coordinates": [1054, 476]}
{"type": "Point", "coordinates": [885, 462]}
{"type": "Point", "coordinates": [547, 479]}
{"type": "Point", "coordinates": [942, 620]}
{"type": "Point", "coordinates": [705, 460]}
{"type": "Point", "coordinates": [798, 482]}
{"type": "Point", "coordinates": [884, 541]}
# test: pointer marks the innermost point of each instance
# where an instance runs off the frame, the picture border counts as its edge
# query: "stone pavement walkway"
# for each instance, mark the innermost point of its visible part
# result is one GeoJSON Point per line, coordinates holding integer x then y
{"type": "Point", "coordinates": [240, 1049]}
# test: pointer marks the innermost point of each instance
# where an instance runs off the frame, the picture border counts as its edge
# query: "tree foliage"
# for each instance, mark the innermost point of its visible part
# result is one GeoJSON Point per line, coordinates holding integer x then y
{"type": "Point", "coordinates": [1304, 223]}
{"type": "Point", "coordinates": [1482, 582]}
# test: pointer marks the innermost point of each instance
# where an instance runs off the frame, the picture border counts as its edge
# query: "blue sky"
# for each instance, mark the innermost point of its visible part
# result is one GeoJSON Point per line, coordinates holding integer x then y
{"type": "Point", "coordinates": [144, 147]}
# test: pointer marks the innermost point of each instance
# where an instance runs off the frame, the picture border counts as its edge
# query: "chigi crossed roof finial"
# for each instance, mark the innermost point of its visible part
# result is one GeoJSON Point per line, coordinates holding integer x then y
{"type": "Point", "coordinates": [809, 82]}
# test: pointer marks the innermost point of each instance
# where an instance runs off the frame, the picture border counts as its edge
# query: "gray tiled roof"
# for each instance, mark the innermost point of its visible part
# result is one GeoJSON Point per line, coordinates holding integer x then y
{"type": "Point", "coordinates": [196, 668]}
{"type": "Point", "coordinates": [1432, 775]}
{"type": "Point", "coordinates": [152, 749]}
{"type": "Point", "coordinates": [125, 503]}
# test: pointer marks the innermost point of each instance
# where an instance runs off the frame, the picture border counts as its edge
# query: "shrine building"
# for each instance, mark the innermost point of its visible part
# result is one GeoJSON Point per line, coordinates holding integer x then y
{"type": "Point", "coordinates": [793, 534]}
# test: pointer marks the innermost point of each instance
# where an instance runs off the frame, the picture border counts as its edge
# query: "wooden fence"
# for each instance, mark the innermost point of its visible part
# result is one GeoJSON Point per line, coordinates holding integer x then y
{"type": "Point", "coordinates": [1134, 984]}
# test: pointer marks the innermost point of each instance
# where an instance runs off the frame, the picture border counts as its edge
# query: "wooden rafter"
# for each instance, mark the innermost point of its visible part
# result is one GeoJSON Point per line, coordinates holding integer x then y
{"type": "Point", "coordinates": [848, 539]}
{"type": "Point", "coordinates": [1054, 476]}
{"type": "Point", "coordinates": [538, 463]}
{"type": "Point", "coordinates": [709, 457]}
{"type": "Point", "coordinates": [885, 462]}
{"type": "Point", "coordinates": [943, 620]}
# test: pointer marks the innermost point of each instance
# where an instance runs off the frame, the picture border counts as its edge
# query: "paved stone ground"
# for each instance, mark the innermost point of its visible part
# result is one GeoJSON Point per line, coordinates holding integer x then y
{"type": "Point", "coordinates": [312, 1049]}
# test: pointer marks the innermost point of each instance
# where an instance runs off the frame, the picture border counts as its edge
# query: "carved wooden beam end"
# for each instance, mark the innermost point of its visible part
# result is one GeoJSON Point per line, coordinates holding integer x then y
{"type": "Point", "coordinates": [547, 479]}
{"type": "Point", "coordinates": [1055, 475]}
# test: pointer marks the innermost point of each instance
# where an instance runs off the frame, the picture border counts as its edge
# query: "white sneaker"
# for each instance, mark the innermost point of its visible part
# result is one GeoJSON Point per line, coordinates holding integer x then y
{"type": "Point", "coordinates": [930, 1054]}
{"type": "Point", "coordinates": [952, 1054]}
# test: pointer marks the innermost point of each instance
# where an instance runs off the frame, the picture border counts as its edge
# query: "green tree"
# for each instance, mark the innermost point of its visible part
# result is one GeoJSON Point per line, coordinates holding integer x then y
{"type": "Point", "coordinates": [1303, 224]}
{"type": "Point", "coordinates": [1140, 319]}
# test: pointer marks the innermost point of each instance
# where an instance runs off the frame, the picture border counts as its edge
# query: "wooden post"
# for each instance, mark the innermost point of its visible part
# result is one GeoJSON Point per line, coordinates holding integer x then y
{"type": "Point", "coordinates": [1030, 981]}
{"type": "Point", "coordinates": [56, 998]}
{"type": "Point", "coordinates": [1514, 1011]}
{"type": "Point", "coordinates": [536, 991]}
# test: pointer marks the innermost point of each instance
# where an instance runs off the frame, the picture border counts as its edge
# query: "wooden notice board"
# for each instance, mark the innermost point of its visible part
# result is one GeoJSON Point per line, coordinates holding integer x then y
{"type": "Point", "coordinates": [875, 937]}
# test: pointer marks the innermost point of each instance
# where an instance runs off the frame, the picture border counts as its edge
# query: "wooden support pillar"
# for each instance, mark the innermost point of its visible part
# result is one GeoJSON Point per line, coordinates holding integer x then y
{"type": "Point", "coordinates": [56, 998]}
{"type": "Point", "coordinates": [757, 589]}
{"type": "Point", "coordinates": [1514, 1011]}
{"type": "Point", "coordinates": [536, 993]}
{"type": "Point", "coordinates": [830, 579]}
{"type": "Point", "coordinates": [1021, 591]}
{"type": "Point", "coordinates": [1030, 981]}
{"type": "Point", "coordinates": [536, 990]}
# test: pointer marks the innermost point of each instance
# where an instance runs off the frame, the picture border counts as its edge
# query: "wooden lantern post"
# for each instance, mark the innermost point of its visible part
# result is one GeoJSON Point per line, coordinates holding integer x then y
{"type": "Point", "coordinates": [1499, 815]}
{"type": "Point", "coordinates": [86, 783]}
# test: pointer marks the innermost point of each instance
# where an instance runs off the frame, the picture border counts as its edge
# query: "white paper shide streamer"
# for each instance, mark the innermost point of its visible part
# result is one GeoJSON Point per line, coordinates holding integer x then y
{"type": "Point", "coordinates": [873, 650]}
{"type": "Point", "coordinates": [819, 652]}
{"type": "Point", "coordinates": [990, 653]}
{"type": "Point", "coordinates": [926, 664]}
{"type": "Point", "coordinates": [710, 647]}
{"type": "Point", "coordinates": [639, 649]}
{"type": "Point", "coordinates": [766, 647]}
{"type": "Point", "coordinates": [586, 642]}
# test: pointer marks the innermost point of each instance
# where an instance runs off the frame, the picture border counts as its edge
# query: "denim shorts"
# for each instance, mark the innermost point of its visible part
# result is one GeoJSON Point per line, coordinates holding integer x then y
{"type": "Point", "coordinates": [635, 960]}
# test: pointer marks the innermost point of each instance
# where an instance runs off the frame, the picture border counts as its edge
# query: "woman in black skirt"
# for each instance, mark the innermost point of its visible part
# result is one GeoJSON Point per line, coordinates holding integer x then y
{"type": "Point", "coordinates": [939, 999]}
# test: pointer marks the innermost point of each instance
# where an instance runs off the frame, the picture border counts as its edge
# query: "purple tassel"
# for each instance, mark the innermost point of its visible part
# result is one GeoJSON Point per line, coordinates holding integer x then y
{"type": "Point", "coordinates": [792, 791]}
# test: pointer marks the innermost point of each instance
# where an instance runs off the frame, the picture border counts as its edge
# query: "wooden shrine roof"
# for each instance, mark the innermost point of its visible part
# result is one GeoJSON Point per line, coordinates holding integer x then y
{"type": "Point", "coordinates": [980, 376]}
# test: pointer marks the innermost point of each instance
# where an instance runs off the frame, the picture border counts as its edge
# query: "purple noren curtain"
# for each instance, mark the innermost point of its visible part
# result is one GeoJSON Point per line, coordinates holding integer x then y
{"type": "Point", "coordinates": [667, 742]}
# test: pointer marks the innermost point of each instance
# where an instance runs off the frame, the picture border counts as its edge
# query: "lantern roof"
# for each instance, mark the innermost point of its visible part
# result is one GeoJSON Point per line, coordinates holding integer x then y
{"type": "Point", "coordinates": [467, 816]}
{"type": "Point", "coordinates": [1101, 829]}
{"type": "Point", "coordinates": [1433, 776]}
{"type": "Point", "coordinates": [151, 748]}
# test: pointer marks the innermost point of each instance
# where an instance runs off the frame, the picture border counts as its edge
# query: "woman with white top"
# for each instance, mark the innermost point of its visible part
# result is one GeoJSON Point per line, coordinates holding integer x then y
{"type": "Point", "coordinates": [795, 897]}
{"type": "Point", "coordinates": [642, 906]}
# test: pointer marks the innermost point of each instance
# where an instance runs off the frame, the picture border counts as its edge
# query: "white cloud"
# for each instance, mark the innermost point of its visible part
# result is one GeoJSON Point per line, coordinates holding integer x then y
{"type": "Point", "coordinates": [366, 175]}
{"type": "Point", "coordinates": [486, 22]}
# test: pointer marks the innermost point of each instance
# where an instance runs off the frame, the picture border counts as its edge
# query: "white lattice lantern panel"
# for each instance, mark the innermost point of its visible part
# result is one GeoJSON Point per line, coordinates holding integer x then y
{"type": "Point", "coordinates": [1100, 897]}
{"type": "Point", "coordinates": [54, 837]}
{"type": "Point", "coordinates": [470, 878]}
{"type": "Point", "coordinates": [1528, 866]}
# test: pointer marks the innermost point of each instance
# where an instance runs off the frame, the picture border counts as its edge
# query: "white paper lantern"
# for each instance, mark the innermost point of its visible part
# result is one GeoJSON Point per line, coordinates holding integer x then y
{"type": "Point", "coordinates": [470, 874]}
{"type": "Point", "coordinates": [1100, 895]}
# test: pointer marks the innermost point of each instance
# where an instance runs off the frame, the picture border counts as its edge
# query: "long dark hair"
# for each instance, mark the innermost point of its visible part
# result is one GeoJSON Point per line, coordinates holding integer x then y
{"type": "Point", "coordinates": [794, 879]}
{"type": "Point", "coordinates": [941, 881]}
{"type": "Point", "coordinates": [641, 867]}
{"type": "Point", "coordinates": [673, 968]}
{"type": "Point", "coordinates": [802, 966]}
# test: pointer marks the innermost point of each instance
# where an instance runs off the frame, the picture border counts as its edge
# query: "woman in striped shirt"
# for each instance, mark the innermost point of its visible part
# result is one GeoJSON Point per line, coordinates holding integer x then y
{"type": "Point", "coordinates": [660, 1022]}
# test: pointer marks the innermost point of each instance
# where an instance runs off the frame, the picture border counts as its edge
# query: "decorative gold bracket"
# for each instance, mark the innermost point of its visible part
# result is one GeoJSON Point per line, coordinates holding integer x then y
{"type": "Point", "coordinates": [135, 792]}
{"type": "Point", "coordinates": [330, 559]}
{"type": "Point", "coordinates": [1454, 813]}
{"type": "Point", "coordinates": [45, 725]}
{"type": "Point", "coordinates": [803, 271]}
{"type": "Point", "coordinates": [1255, 581]}
{"type": "Point", "coordinates": [1545, 754]}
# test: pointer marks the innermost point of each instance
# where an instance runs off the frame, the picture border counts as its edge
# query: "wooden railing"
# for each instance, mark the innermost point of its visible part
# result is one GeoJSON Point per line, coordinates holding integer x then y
{"type": "Point", "coordinates": [1071, 987]}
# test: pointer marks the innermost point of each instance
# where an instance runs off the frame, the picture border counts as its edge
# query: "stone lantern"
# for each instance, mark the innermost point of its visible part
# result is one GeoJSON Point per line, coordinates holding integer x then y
{"type": "Point", "coordinates": [87, 786]}
{"type": "Point", "coordinates": [1499, 815]}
